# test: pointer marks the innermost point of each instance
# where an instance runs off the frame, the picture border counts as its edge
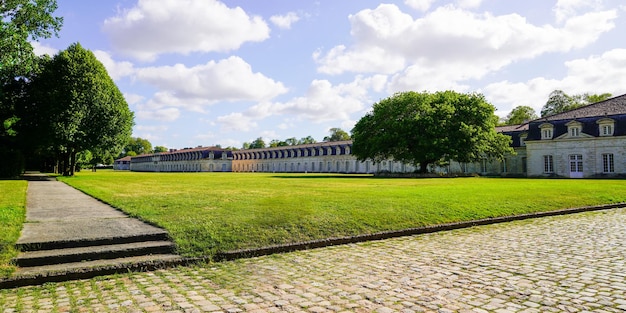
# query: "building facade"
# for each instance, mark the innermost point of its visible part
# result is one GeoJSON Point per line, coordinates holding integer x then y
{"type": "Point", "coordinates": [586, 142]}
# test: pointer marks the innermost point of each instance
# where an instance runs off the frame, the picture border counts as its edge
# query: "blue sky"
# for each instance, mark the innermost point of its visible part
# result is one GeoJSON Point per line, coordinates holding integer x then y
{"type": "Point", "coordinates": [204, 72]}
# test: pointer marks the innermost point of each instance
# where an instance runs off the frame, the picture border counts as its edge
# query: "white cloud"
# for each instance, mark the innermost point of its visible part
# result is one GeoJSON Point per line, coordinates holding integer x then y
{"type": "Point", "coordinates": [132, 98]}
{"type": "Point", "coordinates": [565, 9]}
{"type": "Point", "coordinates": [41, 49]}
{"type": "Point", "coordinates": [182, 26]}
{"type": "Point", "coordinates": [285, 21]}
{"type": "Point", "coordinates": [469, 4]}
{"type": "Point", "coordinates": [237, 121]}
{"type": "Point", "coordinates": [420, 5]}
{"type": "Point", "coordinates": [152, 128]}
{"type": "Point", "coordinates": [164, 115]}
{"type": "Point", "coordinates": [595, 74]}
{"type": "Point", "coordinates": [115, 69]}
{"type": "Point", "coordinates": [451, 45]}
{"type": "Point", "coordinates": [230, 79]}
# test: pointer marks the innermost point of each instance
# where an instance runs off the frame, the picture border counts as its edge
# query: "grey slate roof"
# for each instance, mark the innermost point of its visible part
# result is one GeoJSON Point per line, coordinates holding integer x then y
{"type": "Point", "coordinates": [613, 106]}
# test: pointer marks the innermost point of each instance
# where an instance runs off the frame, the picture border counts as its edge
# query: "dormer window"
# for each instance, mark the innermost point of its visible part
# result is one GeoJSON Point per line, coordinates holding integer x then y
{"type": "Point", "coordinates": [574, 128]}
{"type": "Point", "coordinates": [522, 139]}
{"type": "Point", "coordinates": [547, 130]}
{"type": "Point", "coordinates": [607, 126]}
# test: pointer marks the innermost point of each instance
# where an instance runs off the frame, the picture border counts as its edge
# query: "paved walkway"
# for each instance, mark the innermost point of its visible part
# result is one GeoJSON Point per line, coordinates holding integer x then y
{"type": "Point", "coordinates": [60, 218]}
{"type": "Point", "coordinates": [572, 263]}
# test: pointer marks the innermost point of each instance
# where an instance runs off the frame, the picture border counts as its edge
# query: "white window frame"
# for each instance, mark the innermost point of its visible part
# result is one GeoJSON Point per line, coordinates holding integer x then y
{"type": "Point", "coordinates": [608, 163]}
{"type": "Point", "coordinates": [548, 164]}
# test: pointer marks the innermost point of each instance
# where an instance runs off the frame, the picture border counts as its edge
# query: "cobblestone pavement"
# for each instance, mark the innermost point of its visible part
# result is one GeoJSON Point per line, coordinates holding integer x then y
{"type": "Point", "coordinates": [571, 263]}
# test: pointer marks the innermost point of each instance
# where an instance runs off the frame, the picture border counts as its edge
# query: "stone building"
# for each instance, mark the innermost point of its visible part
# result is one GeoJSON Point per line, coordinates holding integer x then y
{"type": "Point", "coordinates": [200, 159]}
{"type": "Point", "coordinates": [586, 142]}
{"type": "Point", "coordinates": [122, 164]}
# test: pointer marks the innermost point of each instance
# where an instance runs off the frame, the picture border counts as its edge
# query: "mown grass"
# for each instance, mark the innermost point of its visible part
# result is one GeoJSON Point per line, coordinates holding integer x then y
{"type": "Point", "coordinates": [207, 213]}
{"type": "Point", "coordinates": [12, 215]}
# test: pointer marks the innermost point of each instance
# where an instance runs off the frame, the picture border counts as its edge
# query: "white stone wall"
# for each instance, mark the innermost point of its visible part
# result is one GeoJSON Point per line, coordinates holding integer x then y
{"type": "Point", "coordinates": [591, 150]}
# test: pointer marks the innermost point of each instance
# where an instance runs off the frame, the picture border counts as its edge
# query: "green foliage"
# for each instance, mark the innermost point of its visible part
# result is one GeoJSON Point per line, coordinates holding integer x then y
{"type": "Point", "coordinates": [75, 106]}
{"type": "Point", "coordinates": [248, 210]}
{"type": "Point", "coordinates": [292, 142]}
{"type": "Point", "coordinates": [337, 134]}
{"type": "Point", "coordinates": [20, 22]}
{"type": "Point", "coordinates": [559, 102]}
{"type": "Point", "coordinates": [520, 115]}
{"type": "Point", "coordinates": [12, 215]}
{"type": "Point", "coordinates": [424, 128]}
{"type": "Point", "coordinates": [136, 146]}
{"type": "Point", "coordinates": [159, 149]}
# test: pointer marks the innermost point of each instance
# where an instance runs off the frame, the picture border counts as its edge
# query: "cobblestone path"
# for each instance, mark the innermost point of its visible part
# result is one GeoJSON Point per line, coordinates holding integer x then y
{"type": "Point", "coordinates": [571, 263]}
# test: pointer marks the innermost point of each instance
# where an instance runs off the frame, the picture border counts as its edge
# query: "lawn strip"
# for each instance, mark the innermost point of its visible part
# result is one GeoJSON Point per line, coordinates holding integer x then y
{"type": "Point", "coordinates": [12, 216]}
{"type": "Point", "coordinates": [210, 213]}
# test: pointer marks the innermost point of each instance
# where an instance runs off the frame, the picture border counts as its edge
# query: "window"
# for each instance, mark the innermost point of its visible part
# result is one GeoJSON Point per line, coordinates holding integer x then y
{"type": "Point", "coordinates": [547, 131]}
{"type": "Point", "coordinates": [522, 139]}
{"type": "Point", "coordinates": [607, 126]}
{"type": "Point", "coordinates": [483, 166]}
{"type": "Point", "coordinates": [504, 166]}
{"type": "Point", "coordinates": [608, 166]}
{"type": "Point", "coordinates": [548, 164]}
{"type": "Point", "coordinates": [576, 163]}
{"type": "Point", "coordinates": [524, 165]}
{"type": "Point", "coordinates": [574, 131]}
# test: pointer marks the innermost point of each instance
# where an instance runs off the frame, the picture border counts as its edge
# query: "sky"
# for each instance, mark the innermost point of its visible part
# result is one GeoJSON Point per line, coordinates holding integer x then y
{"type": "Point", "coordinates": [207, 72]}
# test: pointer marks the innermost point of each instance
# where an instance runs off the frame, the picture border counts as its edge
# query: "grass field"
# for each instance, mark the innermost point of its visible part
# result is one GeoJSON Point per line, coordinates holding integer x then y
{"type": "Point", "coordinates": [12, 214]}
{"type": "Point", "coordinates": [207, 213]}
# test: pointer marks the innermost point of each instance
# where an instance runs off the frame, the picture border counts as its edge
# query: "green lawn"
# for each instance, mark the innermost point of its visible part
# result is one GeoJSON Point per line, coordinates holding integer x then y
{"type": "Point", "coordinates": [207, 213]}
{"type": "Point", "coordinates": [12, 215]}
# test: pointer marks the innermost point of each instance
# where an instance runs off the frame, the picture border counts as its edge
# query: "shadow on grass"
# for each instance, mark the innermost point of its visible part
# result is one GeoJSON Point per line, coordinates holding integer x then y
{"type": "Point", "coordinates": [314, 176]}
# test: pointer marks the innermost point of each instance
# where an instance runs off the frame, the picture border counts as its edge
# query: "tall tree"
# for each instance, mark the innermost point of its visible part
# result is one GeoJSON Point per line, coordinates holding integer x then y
{"type": "Point", "coordinates": [559, 101]}
{"type": "Point", "coordinates": [137, 146]}
{"type": "Point", "coordinates": [76, 107]}
{"type": "Point", "coordinates": [159, 149]}
{"type": "Point", "coordinates": [337, 134]}
{"type": "Point", "coordinates": [258, 143]}
{"type": "Point", "coordinates": [306, 140]}
{"type": "Point", "coordinates": [425, 128]}
{"type": "Point", "coordinates": [21, 21]}
{"type": "Point", "coordinates": [520, 115]}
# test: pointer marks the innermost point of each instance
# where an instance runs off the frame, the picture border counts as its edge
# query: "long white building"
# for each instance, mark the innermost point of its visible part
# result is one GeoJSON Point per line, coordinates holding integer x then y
{"type": "Point", "coordinates": [586, 142]}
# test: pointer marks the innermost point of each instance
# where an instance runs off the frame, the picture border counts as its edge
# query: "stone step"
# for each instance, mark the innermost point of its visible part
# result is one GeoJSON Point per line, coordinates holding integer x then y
{"type": "Point", "coordinates": [97, 267]}
{"type": "Point", "coordinates": [78, 254]}
{"type": "Point", "coordinates": [64, 243]}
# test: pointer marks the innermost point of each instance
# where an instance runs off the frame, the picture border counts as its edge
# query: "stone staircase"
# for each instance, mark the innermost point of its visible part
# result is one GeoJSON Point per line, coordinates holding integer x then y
{"type": "Point", "coordinates": [55, 258]}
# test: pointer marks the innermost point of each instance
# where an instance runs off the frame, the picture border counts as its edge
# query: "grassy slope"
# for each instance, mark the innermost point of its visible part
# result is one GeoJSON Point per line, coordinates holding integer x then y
{"type": "Point", "coordinates": [209, 212]}
{"type": "Point", "coordinates": [12, 215]}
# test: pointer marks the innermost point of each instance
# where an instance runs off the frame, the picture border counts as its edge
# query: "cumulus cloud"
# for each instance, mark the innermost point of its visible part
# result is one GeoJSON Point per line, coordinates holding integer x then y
{"type": "Point", "coordinates": [41, 49]}
{"type": "Point", "coordinates": [565, 9]}
{"type": "Point", "coordinates": [285, 21]}
{"type": "Point", "coordinates": [322, 102]}
{"type": "Point", "coordinates": [230, 79]}
{"type": "Point", "coordinates": [450, 44]}
{"type": "Point", "coordinates": [237, 121]}
{"type": "Point", "coordinates": [164, 115]}
{"type": "Point", "coordinates": [420, 5]}
{"type": "Point", "coordinates": [182, 26]}
{"type": "Point", "coordinates": [595, 74]}
{"type": "Point", "coordinates": [115, 69]}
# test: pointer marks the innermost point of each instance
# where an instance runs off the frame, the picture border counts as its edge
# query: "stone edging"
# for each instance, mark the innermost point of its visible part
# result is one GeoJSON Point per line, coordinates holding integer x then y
{"type": "Point", "coordinates": [15, 282]}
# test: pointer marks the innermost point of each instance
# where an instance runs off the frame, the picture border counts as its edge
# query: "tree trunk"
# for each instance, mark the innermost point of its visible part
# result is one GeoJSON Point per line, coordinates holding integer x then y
{"type": "Point", "coordinates": [72, 162]}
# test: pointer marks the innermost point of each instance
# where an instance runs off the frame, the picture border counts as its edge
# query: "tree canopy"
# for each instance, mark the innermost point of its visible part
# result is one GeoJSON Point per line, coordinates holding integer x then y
{"type": "Point", "coordinates": [425, 128]}
{"type": "Point", "coordinates": [559, 101]}
{"type": "Point", "coordinates": [520, 115]}
{"type": "Point", "coordinates": [337, 134]}
{"type": "Point", "coordinates": [21, 21]}
{"type": "Point", "coordinates": [136, 146]}
{"type": "Point", "coordinates": [73, 106]}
